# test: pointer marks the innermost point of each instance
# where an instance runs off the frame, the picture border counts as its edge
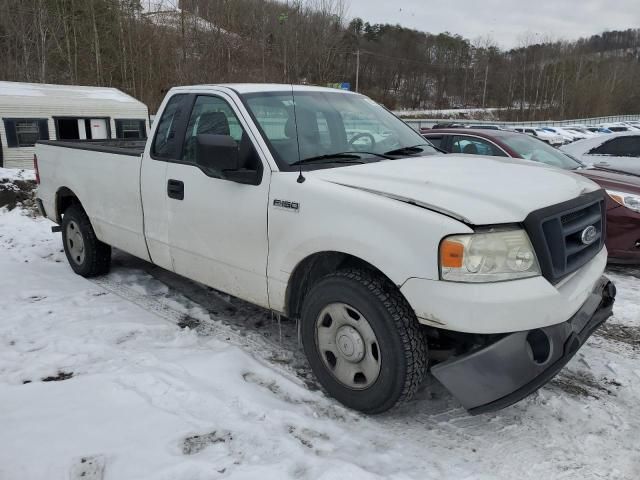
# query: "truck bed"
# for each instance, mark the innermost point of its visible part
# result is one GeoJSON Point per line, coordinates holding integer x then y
{"type": "Point", "coordinates": [119, 147]}
{"type": "Point", "coordinates": [105, 176]}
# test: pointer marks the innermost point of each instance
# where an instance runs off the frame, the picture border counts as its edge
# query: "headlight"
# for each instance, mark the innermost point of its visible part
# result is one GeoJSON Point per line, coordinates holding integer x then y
{"type": "Point", "coordinates": [628, 200]}
{"type": "Point", "coordinates": [491, 256]}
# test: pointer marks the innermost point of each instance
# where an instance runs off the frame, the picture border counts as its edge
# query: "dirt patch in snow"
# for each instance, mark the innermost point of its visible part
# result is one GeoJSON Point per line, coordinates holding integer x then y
{"type": "Point", "coordinates": [197, 443]}
{"type": "Point", "coordinates": [272, 386]}
{"type": "Point", "coordinates": [583, 384]}
{"type": "Point", "coordinates": [61, 376]}
{"type": "Point", "coordinates": [616, 332]}
{"type": "Point", "coordinates": [307, 436]}
{"type": "Point", "coordinates": [88, 468]}
{"type": "Point", "coordinates": [14, 192]}
{"type": "Point", "coordinates": [190, 322]}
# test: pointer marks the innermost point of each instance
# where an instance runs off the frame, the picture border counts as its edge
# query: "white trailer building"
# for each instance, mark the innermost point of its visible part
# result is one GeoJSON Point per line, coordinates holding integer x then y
{"type": "Point", "coordinates": [34, 111]}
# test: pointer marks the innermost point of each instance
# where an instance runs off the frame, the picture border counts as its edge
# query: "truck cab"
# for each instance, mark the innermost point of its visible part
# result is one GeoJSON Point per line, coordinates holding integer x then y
{"type": "Point", "coordinates": [322, 206]}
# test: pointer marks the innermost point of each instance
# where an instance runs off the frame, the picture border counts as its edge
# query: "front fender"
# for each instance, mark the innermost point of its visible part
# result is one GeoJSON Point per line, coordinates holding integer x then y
{"type": "Point", "coordinates": [399, 239]}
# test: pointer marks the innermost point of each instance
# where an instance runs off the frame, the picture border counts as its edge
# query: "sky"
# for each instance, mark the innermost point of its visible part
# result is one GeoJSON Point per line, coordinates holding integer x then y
{"type": "Point", "coordinates": [507, 22]}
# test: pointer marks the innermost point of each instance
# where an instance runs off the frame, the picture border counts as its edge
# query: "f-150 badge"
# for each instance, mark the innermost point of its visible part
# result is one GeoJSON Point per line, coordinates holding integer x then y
{"type": "Point", "coordinates": [287, 205]}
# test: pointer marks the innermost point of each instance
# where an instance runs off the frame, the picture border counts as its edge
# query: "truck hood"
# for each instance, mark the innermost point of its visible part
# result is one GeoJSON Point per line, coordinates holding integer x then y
{"type": "Point", "coordinates": [474, 189]}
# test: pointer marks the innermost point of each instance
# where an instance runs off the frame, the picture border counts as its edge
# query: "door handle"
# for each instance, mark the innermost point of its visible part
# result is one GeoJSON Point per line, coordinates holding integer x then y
{"type": "Point", "coordinates": [175, 189]}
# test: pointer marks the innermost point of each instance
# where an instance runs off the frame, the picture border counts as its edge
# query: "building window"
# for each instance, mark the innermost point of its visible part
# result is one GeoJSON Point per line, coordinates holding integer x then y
{"type": "Point", "coordinates": [82, 128]}
{"type": "Point", "coordinates": [25, 132]}
{"type": "Point", "coordinates": [131, 129]}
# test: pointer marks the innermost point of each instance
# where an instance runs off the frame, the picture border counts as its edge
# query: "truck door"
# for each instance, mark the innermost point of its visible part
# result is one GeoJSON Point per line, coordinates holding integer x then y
{"type": "Point", "coordinates": [165, 147]}
{"type": "Point", "coordinates": [218, 227]}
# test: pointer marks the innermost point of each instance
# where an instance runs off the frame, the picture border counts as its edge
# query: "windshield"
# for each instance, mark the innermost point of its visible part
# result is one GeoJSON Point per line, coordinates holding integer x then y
{"type": "Point", "coordinates": [530, 148]}
{"type": "Point", "coordinates": [331, 128]}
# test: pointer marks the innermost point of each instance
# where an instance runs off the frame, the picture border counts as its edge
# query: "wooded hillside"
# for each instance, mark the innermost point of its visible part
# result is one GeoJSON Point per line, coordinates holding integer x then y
{"type": "Point", "coordinates": [146, 46]}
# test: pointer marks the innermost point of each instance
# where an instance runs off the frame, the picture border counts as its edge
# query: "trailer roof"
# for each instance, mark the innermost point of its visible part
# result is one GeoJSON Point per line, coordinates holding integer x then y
{"type": "Point", "coordinates": [72, 92]}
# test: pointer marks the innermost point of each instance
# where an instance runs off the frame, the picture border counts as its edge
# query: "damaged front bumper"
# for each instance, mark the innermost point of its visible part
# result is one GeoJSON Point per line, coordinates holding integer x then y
{"type": "Point", "coordinates": [518, 364]}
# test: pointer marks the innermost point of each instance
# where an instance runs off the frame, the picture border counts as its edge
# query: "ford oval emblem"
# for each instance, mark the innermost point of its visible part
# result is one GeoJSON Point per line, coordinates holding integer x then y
{"type": "Point", "coordinates": [589, 235]}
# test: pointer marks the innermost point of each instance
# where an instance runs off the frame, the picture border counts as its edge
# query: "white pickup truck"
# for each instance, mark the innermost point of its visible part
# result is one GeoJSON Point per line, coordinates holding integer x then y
{"type": "Point", "coordinates": [322, 206]}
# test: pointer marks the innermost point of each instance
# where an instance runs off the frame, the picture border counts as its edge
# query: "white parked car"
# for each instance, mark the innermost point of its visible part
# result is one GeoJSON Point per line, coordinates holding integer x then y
{"type": "Point", "coordinates": [617, 151]}
{"type": "Point", "coordinates": [565, 134]}
{"type": "Point", "coordinates": [579, 133]}
{"type": "Point", "coordinates": [389, 255]}
{"type": "Point", "coordinates": [544, 135]}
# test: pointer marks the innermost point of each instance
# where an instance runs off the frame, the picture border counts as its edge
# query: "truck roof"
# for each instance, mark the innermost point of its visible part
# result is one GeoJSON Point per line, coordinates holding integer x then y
{"type": "Point", "coordinates": [265, 87]}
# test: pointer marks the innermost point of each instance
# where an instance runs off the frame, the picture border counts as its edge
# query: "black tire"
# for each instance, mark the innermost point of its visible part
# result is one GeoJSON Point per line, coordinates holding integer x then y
{"type": "Point", "coordinates": [96, 255]}
{"type": "Point", "coordinates": [402, 344]}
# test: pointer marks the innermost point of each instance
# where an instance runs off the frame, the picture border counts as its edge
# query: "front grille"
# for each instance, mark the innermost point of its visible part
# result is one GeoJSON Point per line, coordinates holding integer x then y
{"type": "Point", "coordinates": [556, 234]}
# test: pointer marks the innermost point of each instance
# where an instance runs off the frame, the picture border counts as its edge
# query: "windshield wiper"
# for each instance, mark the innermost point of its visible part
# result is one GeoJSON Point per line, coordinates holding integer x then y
{"type": "Point", "coordinates": [408, 150]}
{"type": "Point", "coordinates": [339, 157]}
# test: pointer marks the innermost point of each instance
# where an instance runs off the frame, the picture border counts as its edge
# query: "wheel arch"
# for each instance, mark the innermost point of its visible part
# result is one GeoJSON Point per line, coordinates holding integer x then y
{"type": "Point", "coordinates": [315, 266]}
{"type": "Point", "coordinates": [65, 197]}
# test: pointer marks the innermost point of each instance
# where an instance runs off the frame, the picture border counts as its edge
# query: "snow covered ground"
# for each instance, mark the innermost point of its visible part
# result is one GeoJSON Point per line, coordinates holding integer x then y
{"type": "Point", "coordinates": [446, 111]}
{"type": "Point", "coordinates": [145, 375]}
{"type": "Point", "coordinates": [479, 113]}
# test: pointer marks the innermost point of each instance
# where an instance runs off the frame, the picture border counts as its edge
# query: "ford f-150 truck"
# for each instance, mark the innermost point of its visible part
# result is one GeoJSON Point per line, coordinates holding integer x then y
{"type": "Point", "coordinates": [323, 207]}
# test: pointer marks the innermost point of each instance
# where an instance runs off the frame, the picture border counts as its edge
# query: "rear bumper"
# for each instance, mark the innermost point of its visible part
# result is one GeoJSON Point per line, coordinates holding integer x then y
{"type": "Point", "coordinates": [519, 363]}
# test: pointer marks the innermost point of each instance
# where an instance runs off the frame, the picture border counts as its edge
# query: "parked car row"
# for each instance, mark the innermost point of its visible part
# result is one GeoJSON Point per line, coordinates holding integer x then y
{"type": "Point", "coordinates": [555, 136]}
{"type": "Point", "coordinates": [613, 162]}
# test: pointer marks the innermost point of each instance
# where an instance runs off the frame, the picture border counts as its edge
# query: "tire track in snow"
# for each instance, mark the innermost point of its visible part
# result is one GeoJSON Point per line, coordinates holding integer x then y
{"type": "Point", "coordinates": [211, 324]}
{"type": "Point", "coordinates": [279, 348]}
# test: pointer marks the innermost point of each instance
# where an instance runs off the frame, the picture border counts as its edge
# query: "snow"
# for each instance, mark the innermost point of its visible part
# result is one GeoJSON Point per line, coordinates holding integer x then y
{"type": "Point", "coordinates": [10, 174]}
{"type": "Point", "coordinates": [166, 13]}
{"type": "Point", "coordinates": [230, 396]}
{"type": "Point", "coordinates": [72, 92]}
{"type": "Point", "coordinates": [445, 112]}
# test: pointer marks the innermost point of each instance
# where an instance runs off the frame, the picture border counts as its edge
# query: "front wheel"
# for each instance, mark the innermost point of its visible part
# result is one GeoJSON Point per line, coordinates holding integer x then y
{"type": "Point", "coordinates": [363, 340]}
{"type": "Point", "coordinates": [87, 255]}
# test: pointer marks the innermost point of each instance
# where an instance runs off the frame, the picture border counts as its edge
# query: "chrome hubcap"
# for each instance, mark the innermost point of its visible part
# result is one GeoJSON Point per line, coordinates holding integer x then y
{"type": "Point", "coordinates": [75, 243]}
{"type": "Point", "coordinates": [348, 346]}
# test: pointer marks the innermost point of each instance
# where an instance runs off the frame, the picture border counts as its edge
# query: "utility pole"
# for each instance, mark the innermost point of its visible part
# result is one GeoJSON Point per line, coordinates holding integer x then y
{"type": "Point", "coordinates": [282, 19]}
{"type": "Point", "coordinates": [486, 76]}
{"type": "Point", "coordinates": [357, 68]}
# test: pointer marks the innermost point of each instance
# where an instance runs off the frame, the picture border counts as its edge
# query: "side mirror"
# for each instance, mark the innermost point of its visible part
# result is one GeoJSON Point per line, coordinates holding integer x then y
{"type": "Point", "coordinates": [217, 153]}
{"type": "Point", "coordinates": [219, 156]}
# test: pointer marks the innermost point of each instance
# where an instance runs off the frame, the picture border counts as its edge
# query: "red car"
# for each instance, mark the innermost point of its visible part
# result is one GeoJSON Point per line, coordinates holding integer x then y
{"type": "Point", "coordinates": [623, 203]}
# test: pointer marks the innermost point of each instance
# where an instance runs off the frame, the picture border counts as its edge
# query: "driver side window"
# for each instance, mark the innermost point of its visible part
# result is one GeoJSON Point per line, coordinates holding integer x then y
{"type": "Point", "coordinates": [213, 116]}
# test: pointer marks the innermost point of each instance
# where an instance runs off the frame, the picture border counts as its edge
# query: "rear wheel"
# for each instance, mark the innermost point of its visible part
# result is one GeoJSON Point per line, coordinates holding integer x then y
{"type": "Point", "coordinates": [363, 340]}
{"type": "Point", "coordinates": [87, 255]}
